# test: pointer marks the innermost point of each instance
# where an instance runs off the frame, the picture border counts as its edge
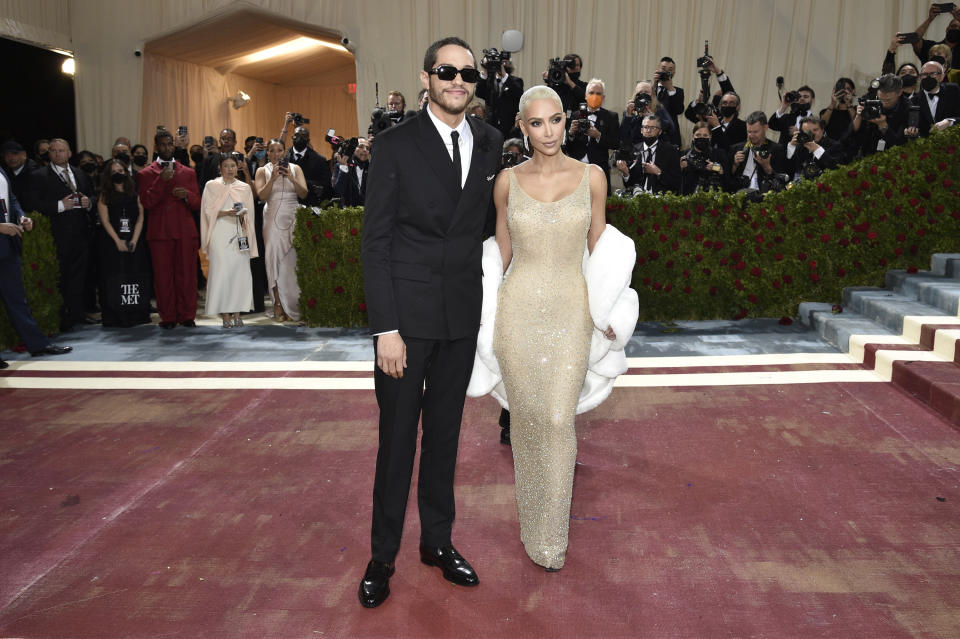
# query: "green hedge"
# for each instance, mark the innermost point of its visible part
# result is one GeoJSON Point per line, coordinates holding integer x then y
{"type": "Point", "coordinates": [40, 278]}
{"type": "Point", "coordinates": [715, 256]}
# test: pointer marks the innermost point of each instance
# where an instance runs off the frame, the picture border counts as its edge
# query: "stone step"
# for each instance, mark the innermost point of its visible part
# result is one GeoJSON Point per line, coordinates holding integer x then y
{"type": "Point", "coordinates": [945, 264]}
{"type": "Point", "coordinates": [838, 328]}
{"type": "Point", "coordinates": [888, 308]}
{"type": "Point", "coordinates": [938, 291]}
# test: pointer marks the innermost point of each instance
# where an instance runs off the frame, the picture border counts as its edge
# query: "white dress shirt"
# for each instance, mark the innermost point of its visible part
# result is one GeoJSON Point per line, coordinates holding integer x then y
{"type": "Point", "coordinates": [465, 142]}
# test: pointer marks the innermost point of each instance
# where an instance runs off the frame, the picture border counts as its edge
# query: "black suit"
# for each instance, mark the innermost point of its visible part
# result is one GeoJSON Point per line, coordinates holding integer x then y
{"type": "Point", "coordinates": [421, 253]}
{"type": "Point", "coordinates": [351, 185]}
{"type": "Point", "coordinates": [738, 180]}
{"type": "Point", "coordinates": [832, 156]}
{"type": "Point", "coordinates": [783, 124]}
{"type": "Point", "coordinates": [673, 103]}
{"type": "Point", "coordinates": [502, 109]}
{"type": "Point", "coordinates": [597, 151]}
{"type": "Point", "coordinates": [316, 171]}
{"type": "Point", "coordinates": [667, 159]}
{"type": "Point", "coordinates": [866, 141]}
{"type": "Point", "coordinates": [21, 181]}
{"type": "Point", "coordinates": [71, 233]}
{"type": "Point", "coordinates": [11, 280]}
{"type": "Point", "coordinates": [948, 106]}
{"type": "Point", "coordinates": [736, 133]}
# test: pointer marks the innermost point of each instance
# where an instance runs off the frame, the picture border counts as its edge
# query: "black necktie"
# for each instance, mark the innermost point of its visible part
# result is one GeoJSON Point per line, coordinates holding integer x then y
{"type": "Point", "coordinates": [457, 164]}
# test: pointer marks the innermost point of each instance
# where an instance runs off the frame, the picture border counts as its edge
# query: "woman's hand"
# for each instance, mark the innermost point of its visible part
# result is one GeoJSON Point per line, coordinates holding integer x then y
{"type": "Point", "coordinates": [121, 245]}
{"type": "Point", "coordinates": [609, 334]}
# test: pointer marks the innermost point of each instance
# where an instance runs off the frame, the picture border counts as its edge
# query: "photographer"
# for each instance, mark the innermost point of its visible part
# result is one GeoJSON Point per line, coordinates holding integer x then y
{"type": "Point", "coordinates": [670, 96]}
{"type": "Point", "coordinates": [695, 114]}
{"type": "Point", "coordinates": [501, 93]}
{"type": "Point", "coordinates": [571, 89]}
{"type": "Point", "coordinates": [513, 153]}
{"type": "Point", "coordinates": [727, 129]}
{"type": "Point", "coordinates": [348, 179]}
{"type": "Point", "coordinates": [837, 117]}
{"type": "Point", "coordinates": [951, 38]}
{"type": "Point", "coordinates": [882, 122]}
{"type": "Point", "coordinates": [211, 164]}
{"type": "Point", "coordinates": [315, 167]}
{"type": "Point", "coordinates": [756, 162]}
{"type": "Point", "coordinates": [593, 132]}
{"type": "Point", "coordinates": [810, 152]}
{"type": "Point", "coordinates": [795, 106]}
{"type": "Point", "coordinates": [642, 104]}
{"type": "Point", "coordinates": [704, 165]}
{"type": "Point", "coordinates": [656, 165]}
{"type": "Point", "coordinates": [939, 101]}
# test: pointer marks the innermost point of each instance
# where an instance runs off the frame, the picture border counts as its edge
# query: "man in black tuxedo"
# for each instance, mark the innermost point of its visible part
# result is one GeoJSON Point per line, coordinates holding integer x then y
{"type": "Point", "coordinates": [787, 118]}
{"type": "Point", "coordinates": [316, 169]}
{"type": "Point", "coordinates": [67, 197]}
{"type": "Point", "coordinates": [572, 90]}
{"type": "Point", "coordinates": [350, 178]}
{"type": "Point", "coordinates": [502, 95]}
{"type": "Point", "coordinates": [755, 161]}
{"type": "Point", "coordinates": [656, 167]}
{"type": "Point", "coordinates": [12, 225]}
{"type": "Point", "coordinates": [727, 129]}
{"type": "Point", "coordinates": [670, 96]}
{"type": "Point", "coordinates": [939, 101]}
{"type": "Point", "coordinates": [18, 166]}
{"type": "Point", "coordinates": [818, 154]}
{"type": "Point", "coordinates": [429, 199]}
{"type": "Point", "coordinates": [593, 143]}
{"type": "Point", "coordinates": [210, 169]}
{"type": "Point", "coordinates": [873, 132]}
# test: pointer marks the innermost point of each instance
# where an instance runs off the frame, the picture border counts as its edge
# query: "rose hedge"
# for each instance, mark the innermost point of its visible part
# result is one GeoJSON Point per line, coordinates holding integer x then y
{"type": "Point", "coordinates": [716, 256]}
{"type": "Point", "coordinates": [41, 274]}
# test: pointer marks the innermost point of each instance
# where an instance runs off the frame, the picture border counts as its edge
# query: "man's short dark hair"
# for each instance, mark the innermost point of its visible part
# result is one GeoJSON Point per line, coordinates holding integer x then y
{"type": "Point", "coordinates": [757, 117]}
{"type": "Point", "coordinates": [808, 90]}
{"type": "Point", "coordinates": [814, 120]}
{"type": "Point", "coordinates": [734, 94]}
{"type": "Point", "coordinates": [163, 133]}
{"type": "Point", "coordinates": [667, 58]}
{"type": "Point", "coordinates": [574, 55]}
{"type": "Point", "coordinates": [430, 57]}
{"type": "Point", "coordinates": [655, 118]}
{"type": "Point", "coordinates": [232, 132]}
{"type": "Point", "coordinates": [889, 83]}
{"type": "Point", "coordinates": [250, 138]}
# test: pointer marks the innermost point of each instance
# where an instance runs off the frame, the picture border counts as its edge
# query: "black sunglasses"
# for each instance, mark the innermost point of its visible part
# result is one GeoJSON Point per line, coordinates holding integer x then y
{"type": "Point", "coordinates": [448, 72]}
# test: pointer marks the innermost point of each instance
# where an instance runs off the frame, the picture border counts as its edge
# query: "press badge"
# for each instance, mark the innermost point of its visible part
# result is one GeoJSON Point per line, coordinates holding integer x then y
{"type": "Point", "coordinates": [242, 243]}
{"type": "Point", "coordinates": [124, 224]}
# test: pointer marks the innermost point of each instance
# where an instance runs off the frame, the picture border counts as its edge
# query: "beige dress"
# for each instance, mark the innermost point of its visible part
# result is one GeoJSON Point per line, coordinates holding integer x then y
{"type": "Point", "coordinates": [280, 258]}
{"type": "Point", "coordinates": [542, 342]}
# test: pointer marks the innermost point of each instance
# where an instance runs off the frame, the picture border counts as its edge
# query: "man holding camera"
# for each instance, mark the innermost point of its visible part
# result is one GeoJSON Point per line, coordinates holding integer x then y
{"type": "Point", "coordinates": [810, 152]}
{"type": "Point", "coordinates": [572, 90]}
{"type": "Point", "coordinates": [670, 96]}
{"type": "Point", "coordinates": [67, 197]}
{"type": "Point", "coordinates": [795, 106]}
{"type": "Point", "coordinates": [656, 165]}
{"type": "Point", "coordinates": [939, 101]}
{"type": "Point", "coordinates": [316, 169]}
{"type": "Point", "coordinates": [756, 161]}
{"type": "Point", "coordinates": [348, 179]}
{"type": "Point", "coordinates": [727, 129]}
{"type": "Point", "coordinates": [593, 132]}
{"type": "Point", "coordinates": [502, 94]}
{"type": "Point", "coordinates": [882, 123]}
{"type": "Point", "coordinates": [168, 192]}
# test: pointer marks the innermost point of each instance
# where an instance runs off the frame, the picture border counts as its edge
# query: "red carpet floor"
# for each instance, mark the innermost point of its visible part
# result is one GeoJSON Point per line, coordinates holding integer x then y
{"type": "Point", "coordinates": [813, 510]}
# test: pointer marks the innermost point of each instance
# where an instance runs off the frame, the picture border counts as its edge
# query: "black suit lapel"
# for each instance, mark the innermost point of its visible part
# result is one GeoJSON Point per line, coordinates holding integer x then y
{"type": "Point", "coordinates": [476, 178]}
{"type": "Point", "coordinates": [435, 153]}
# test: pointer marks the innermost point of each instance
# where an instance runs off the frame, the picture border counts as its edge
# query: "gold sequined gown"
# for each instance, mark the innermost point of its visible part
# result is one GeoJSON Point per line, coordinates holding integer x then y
{"type": "Point", "coordinates": [542, 342]}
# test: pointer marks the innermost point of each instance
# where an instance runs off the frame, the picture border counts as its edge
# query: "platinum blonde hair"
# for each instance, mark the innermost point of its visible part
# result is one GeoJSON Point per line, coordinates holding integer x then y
{"type": "Point", "coordinates": [538, 92]}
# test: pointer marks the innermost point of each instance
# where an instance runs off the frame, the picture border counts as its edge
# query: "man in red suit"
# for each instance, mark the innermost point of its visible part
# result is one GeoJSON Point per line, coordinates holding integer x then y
{"type": "Point", "coordinates": [168, 192]}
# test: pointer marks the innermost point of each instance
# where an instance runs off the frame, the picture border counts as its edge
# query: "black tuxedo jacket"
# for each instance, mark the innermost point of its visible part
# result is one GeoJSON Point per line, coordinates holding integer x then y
{"type": "Point", "coordinates": [20, 182]}
{"type": "Point", "coordinates": [832, 156]}
{"type": "Point", "coordinates": [351, 189]}
{"type": "Point", "coordinates": [598, 151]}
{"type": "Point", "coordinates": [778, 163]}
{"type": "Point", "coordinates": [667, 159]}
{"type": "Point", "coordinates": [316, 171]}
{"type": "Point", "coordinates": [422, 236]}
{"type": "Point", "coordinates": [948, 106]}
{"type": "Point", "coordinates": [507, 104]}
{"type": "Point", "coordinates": [736, 133]}
{"type": "Point", "coordinates": [783, 124]}
{"type": "Point", "coordinates": [45, 189]}
{"type": "Point", "coordinates": [674, 103]}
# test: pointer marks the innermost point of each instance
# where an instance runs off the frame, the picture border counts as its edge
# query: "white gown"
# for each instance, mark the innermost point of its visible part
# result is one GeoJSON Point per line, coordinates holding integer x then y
{"type": "Point", "coordinates": [279, 256]}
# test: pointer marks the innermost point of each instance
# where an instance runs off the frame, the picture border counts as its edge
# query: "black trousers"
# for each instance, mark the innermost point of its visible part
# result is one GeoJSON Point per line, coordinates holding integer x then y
{"type": "Point", "coordinates": [15, 300]}
{"type": "Point", "coordinates": [433, 385]}
{"type": "Point", "coordinates": [71, 236]}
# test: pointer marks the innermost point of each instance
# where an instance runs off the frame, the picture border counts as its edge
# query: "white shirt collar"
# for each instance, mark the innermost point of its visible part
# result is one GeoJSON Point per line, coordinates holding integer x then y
{"type": "Point", "coordinates": [445, 130]}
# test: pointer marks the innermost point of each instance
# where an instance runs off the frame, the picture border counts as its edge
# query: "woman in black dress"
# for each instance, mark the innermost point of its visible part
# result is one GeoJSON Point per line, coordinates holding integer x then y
{"type": "Point", "coordinates": [124, 268]}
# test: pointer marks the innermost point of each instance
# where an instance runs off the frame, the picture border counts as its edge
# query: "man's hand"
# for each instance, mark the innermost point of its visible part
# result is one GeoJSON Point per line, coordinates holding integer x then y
{"type": "Point", "coordinates": [651, 168]}
{"type": "Point", "coordinates": [793, 139]}
{"type": "Point", "coordinates": [67, 202]}
{"type": "Point", "coordinates": [26, 223]}
{"type": "Point", "coordinates": [182, 141]}
{"type": "Point", "coordinates": [631, 109]}
{"type": "Point", "coordinates": [391, 354]}
{"type": "Point", "coordinates": [622, 167]}
{"type": "Point", "coordinates": [811, 146]}
{"type": "Point", "coordinates": [84, 202]}
{"type": "Point", "coordinates": [739, 158]}
{"type": "Point", "coordinates": [713, 120]}
{"type": "Point", "coordinates": [609, 334]}
{"type": "Point", "coordinates": [943, 124]}
{"type": "Point", "coordinates": [6, 228]}
{"type": "Point", "coordinates": [341, 159]}
{"type": "Point", "coordinates": [763, 163]}
{"type": "Point", "coordinates": [713, 67]}
{"type": "Point", "coordinates": [180, 192]}
{"type": "Point", "coordinates": [574, 127]}
{"type": "Point", "coordinates": [593, 132]}
{"type": "Point", "coordinates": [911, 132]}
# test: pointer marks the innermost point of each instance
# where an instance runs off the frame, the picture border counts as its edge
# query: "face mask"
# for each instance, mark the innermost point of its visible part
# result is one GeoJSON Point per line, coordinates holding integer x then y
{"type": "Point", "coordinates": [574, 76]}
{"type": "Point", "coordinates": [803, 106]}
{"type": "Point", "coordinates": [45, 156]}
{"type": "Point", "coordinates": [196, 157]}
{"type": "Point", "coordinates": [953, 35]}
{"type": "Point", "coordinates": [140, 160]}
{"type": "Point", "coordinates": [117, 178]}
{"type": "Point", "coordinates": [594, 101]}
{"type": "Point", "coordinates": [908, 81]}
{"type": "Point", "coordinates": [124, 157]}
{"type": "Point", "coordinates": [928, 83]}
{"type": "Point", "coordinates": [701, 144]}
{"type": "Point", "coordinates": [299, 144]}
{"type": "Point", "coordinates": [260, 155]}
{"type": "Point", "coordinates": [88, 168]}
{"type": "Point", "coordinates": [650, 141]}
{"type": "Point", "coordinates": [728, 111]}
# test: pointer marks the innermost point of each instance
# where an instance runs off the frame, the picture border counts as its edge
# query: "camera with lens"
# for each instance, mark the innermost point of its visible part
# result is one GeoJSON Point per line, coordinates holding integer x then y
{"type": "Point", "coordinates": [697, 161]}
{"type": "Point", "coordinates": [344, 147]}
{"type": "Point", "coordinates": [803, 137]}
{"type": "Point", "coordinates": [811, 170]}
{"type": "Point", "coordinates": [772, 183]}
{"type": "Point", "coordinates": [380, 121]}
{"type": "Point", "coordinates": [298, 119]}
{"type": "Point", "coordinates": [641, 101]}
{"type": "Point", "coordinates": [557, 71]}
{"type": "Point", "coordinates": [703, 110]}
{"type": "Point", "coordinates": [791, 96]}
{"type": "Point", "coordinates": [872, 109]}
{"type": "Point", "coordinates": [662, 76]}
{"type": "Point", "coordinates": [705, 60]}
{"type": "Point", "coordinates": [762, 152]}
{"type": "Point", "coordinates": [509, 159]}
{"type": "Point", "coordinates": [625, 153]}
{"type": "Point", "coordinates": [580, 116]}
{"type": "Point", "coordinates": [493, 59]}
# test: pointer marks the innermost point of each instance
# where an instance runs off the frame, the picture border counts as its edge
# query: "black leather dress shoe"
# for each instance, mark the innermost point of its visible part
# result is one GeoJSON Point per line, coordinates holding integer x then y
{"type": "Point", "coordinates": [375, 586]}
{"type": "Point", "coordinates": [505, 436]}
{"type": "Point", "coordinates": [167, 325]}
{"type": "Point", "coordinates": [189, 324]}
{"type": "Point", "coordinates": [4, 363]}
{"type": "Point", "coordinates": [455, 568]}
{"type": "Point", "coordinates": [52, 349]}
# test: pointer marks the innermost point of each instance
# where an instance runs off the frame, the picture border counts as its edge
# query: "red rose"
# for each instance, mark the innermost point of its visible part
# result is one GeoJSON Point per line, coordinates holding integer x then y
{"type": "Point", "coordinates": [947, 182]}
{"type": "Point", "coordinates": [813, 265]}
{"type": "Point", "coordinates": [924, 155]}
{"type": "Point", "coordinates": [687, 289]}
{"type": "Point", "coordinates": [740, 265]}
{"type": "Point", "coordinates": [312, 302]}
{"type": "Point", "coordinates": [801, 256]}
{"type": "Point", "coordinates": [646, 281]}
{"type": "Point", "coordinates": [912, 269]}
{"type": "Point", "coordinates": [888, 194]}
{"type": "Point", "coordinates": [921, 232]}
{"type": "Point", "coordinates": [865, 186]}
{"type": "Point", "coordinates": [338, 290]}
{"type": "Point", "coordinates": [333, 265]}
{"type": "Point", "coordinates": [930, 177]}
{"type": "Point", "coordinates": [668, 288]}
{"type": "Point", "coordinates": [814, 277]}
{"type": "Point", "coordinates": [755, 271]}
{"type": "Point", "coordinates": [844, 242]}
{"type": "Point", "coordinates": [309, 224]}
{"type": "Point", "coordinates": [34, 266]}
{"type": "Point", "coordinates": [699, 208]}
{"type": "Point", "coordinates": [657, 286]}
{"type": "Point", "coordinates": [753, 298]}
{"type": "Point", "coordinates": [825, 238]}
{"type": "Point", "coordinates": [353, 231]}
{"type": "Point", "coordinates": [328, 234]}
{"type": "Point", "coordinates": [873, 169]}
{"type": "Point", "coordinates": [778, 257]}
{"type": "Point", "coordinates": [630, 221]}
{"type": "Point", "coordinates": [788, 279]}
{"type": "Point", "coordinates": [898, 251]}
{"type": "Point", "coordinates": [362, 306]}
{"type": "Point", "coordinates": [315, 239]}
{"type": "Point", "coordinates": [652, 254]}
{"type": "Point", "coordinates": [698, 258]}
{"type": "Point", "coordinates": [663, 238]}
{"type": "Point", "coordinates": [841, 271]}
{"type": "Point", "coordinates": [942, 166]}
{"type": "Point", "coordinates": [775, 283]}
{"type": "Point", "coordinates": [707, 271]}
{"type": "Point", "coordinates": [786, 321]}
{"type": "Point", "coordinates": [872, 235]}
{"type": "Point", "coordinates": [852, 173]}
{"type": "Point", "coordinates": [739, 285]}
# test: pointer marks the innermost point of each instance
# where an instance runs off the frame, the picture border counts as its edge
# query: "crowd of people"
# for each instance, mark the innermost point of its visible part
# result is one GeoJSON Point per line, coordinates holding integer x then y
{"type": "Point", "coordinates": [134, 221]}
